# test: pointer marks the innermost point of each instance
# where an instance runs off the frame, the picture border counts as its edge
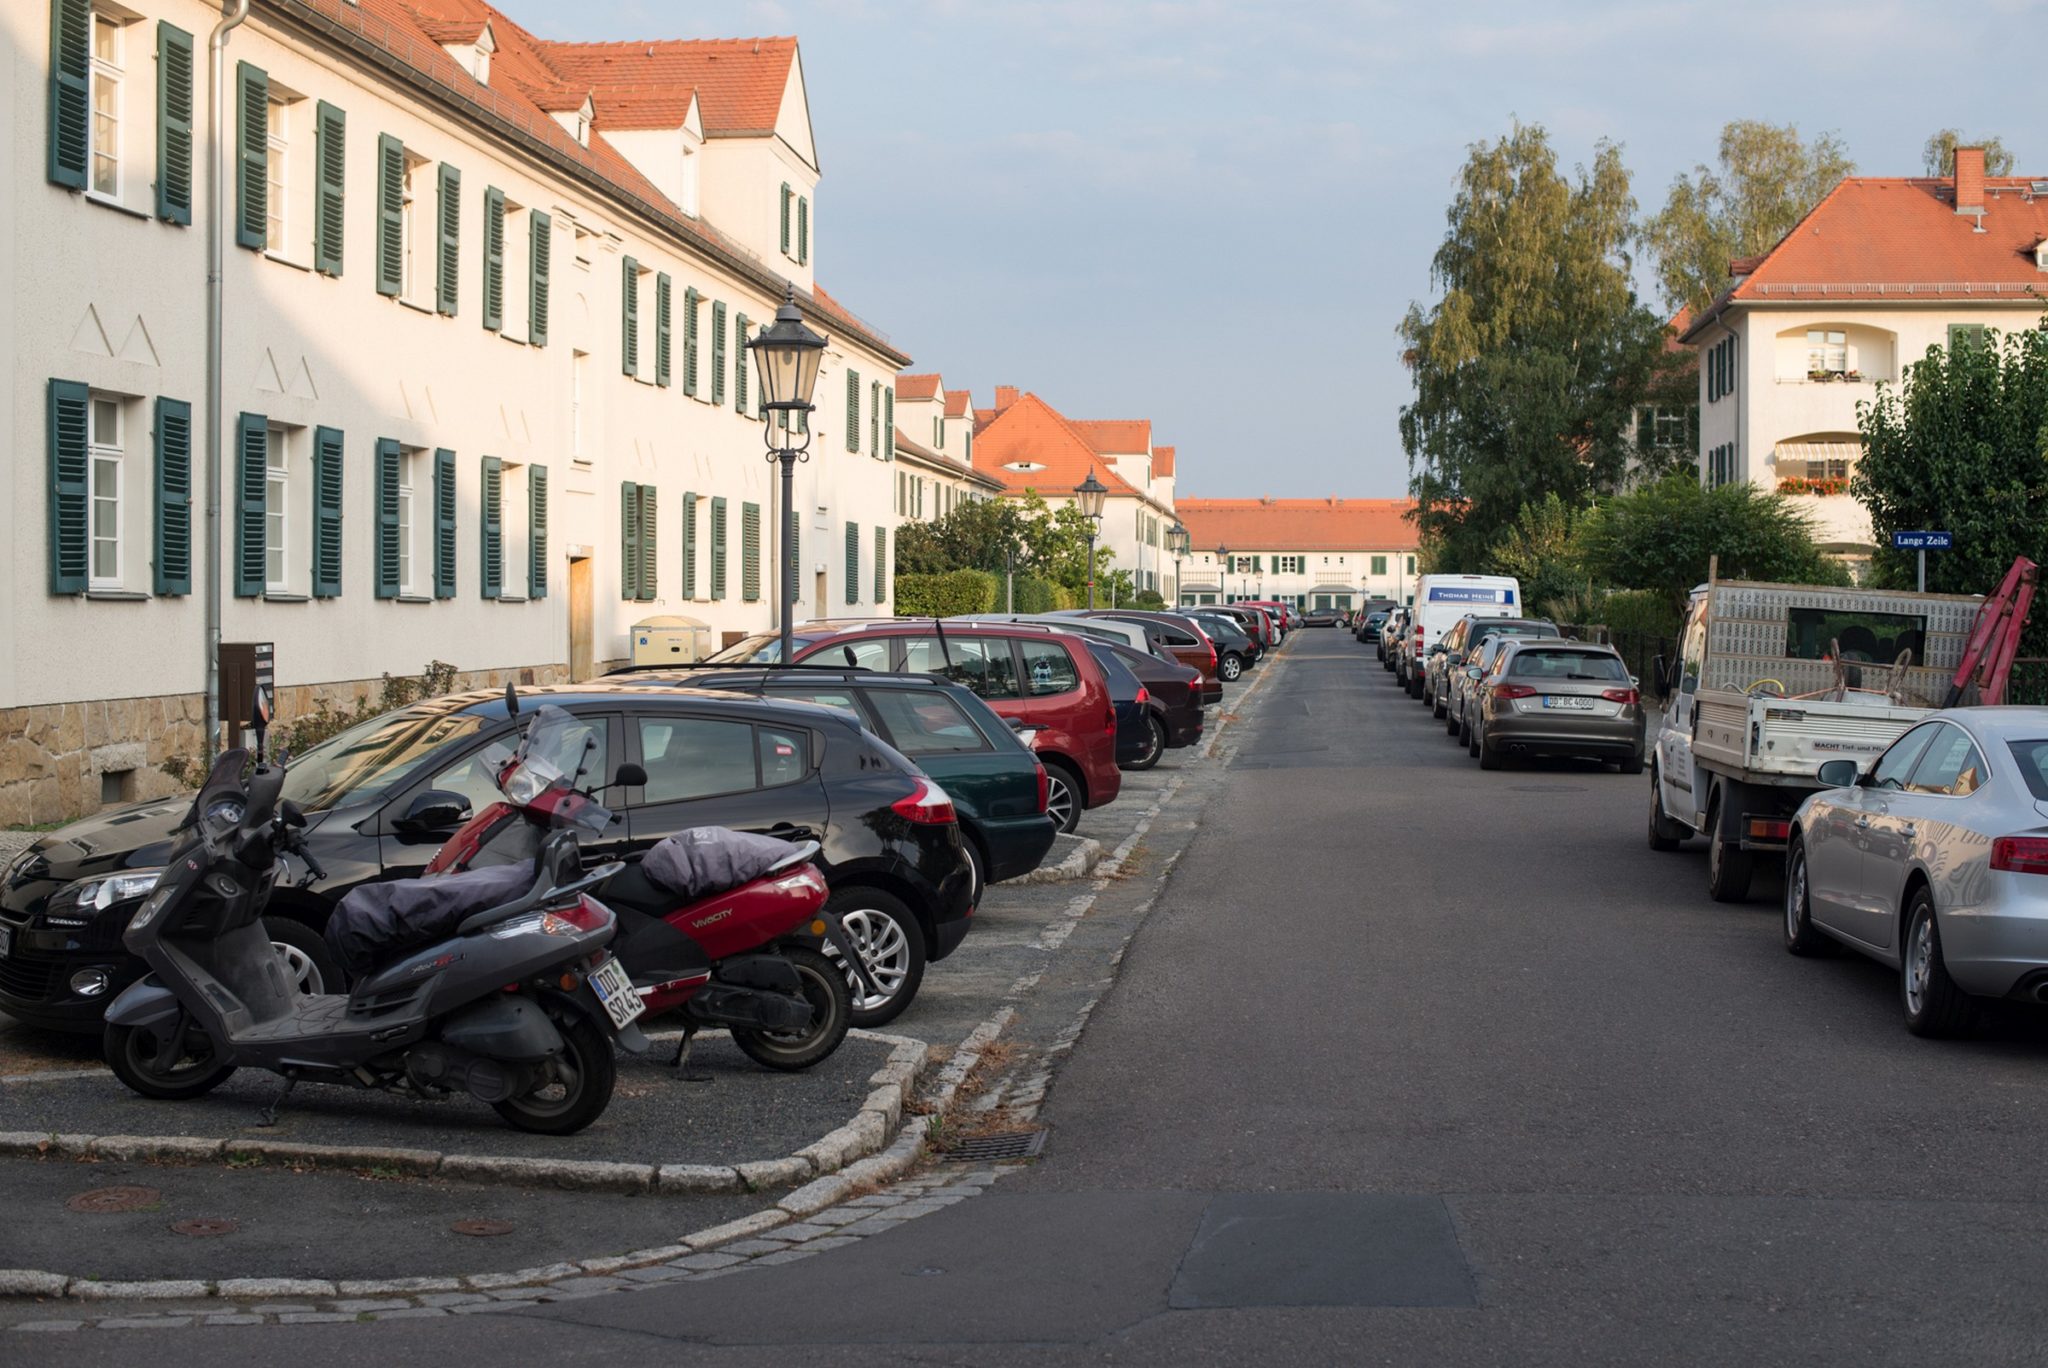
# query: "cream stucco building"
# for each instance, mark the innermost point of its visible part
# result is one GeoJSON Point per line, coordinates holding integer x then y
{"type": "Point", "coordinates": [935, 450]}
{"type": "Point", "coordinates": [484, 394]}
{"type": "Point", "coordinates": [1313, 553]}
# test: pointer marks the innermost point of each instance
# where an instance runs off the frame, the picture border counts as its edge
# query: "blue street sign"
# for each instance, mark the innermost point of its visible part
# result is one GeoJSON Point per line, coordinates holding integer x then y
{"type": "Point", "coordinates": [1923, 541]}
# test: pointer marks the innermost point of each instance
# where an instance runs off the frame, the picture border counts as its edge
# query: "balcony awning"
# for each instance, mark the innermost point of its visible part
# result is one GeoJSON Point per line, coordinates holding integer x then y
{"type": "Point", "coordinates": [1819, 451]}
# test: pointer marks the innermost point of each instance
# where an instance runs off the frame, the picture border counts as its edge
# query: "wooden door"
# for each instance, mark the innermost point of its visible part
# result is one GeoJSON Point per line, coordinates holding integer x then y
{"type": "Point", "coordinates": [581, 666]}
{"type": "Point", "coordinates": [819, 610]}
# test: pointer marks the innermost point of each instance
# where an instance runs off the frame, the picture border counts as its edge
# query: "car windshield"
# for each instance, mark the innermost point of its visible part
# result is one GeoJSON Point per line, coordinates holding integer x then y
{"type": "Point", "coordinates": [764, 648]}
{"type": "Point", "coordinates": [371, 758]}
{"type": "Point", "coordinates": [1561, 664]}
{"type": "Point", "coordinates": [2033, 764]}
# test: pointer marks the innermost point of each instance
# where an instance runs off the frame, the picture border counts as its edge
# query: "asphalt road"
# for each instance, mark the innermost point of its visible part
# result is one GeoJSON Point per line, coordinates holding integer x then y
{"type": "Point", "coordinates": [1414, 1064]}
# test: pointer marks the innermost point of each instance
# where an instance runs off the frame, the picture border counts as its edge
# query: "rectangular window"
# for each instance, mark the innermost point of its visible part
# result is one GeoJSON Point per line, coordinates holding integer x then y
{"type": "Point", "coordinates": [108, 74]}
{"type": "Point", "coordinates": [407, 463]}
{"type": "Point", "coordinates": [106, 470]}
{"type": "Point", "coordinates": [515, 522]}
{"type": "Point", "coordinates": [579, 446]}
{"type": "Point", "coordinates": [1965, 334]}
{"type": "Point", "coordinates": [277, 485]}
{"type": "Point", "coordinates": [417, 257]}
{"type": "Point", "coordinates": [1827, 351]}
{"type": "Point", "coordinates": [277, 173]}
{"type": "Point", "coordinates": [1379, 565]}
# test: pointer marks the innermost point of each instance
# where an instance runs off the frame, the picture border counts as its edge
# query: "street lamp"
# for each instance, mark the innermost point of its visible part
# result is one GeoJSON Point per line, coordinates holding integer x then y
{"type": "Point", "coordinates": [1223, 572]}
{"type": "Point", "coordinates": [786, 357]}
{"type": "Point", "coordinates": [1177, 542]}
{"type": "Point", "coordinates": [1089, 494]}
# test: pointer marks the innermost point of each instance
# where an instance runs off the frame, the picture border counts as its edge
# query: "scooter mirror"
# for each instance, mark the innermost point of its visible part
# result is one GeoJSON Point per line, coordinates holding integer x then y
{"type": "Point", "coordinates": [629, 775]}
{"type": "Point", "coordinates": [292, 813]}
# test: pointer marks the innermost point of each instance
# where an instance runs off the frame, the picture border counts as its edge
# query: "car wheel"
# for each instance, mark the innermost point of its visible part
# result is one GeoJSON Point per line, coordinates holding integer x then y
{"type": "Point", "coordinates": [1230, 666]}
{"type": "Point", "coordinates": [1437, 706]}
{"type": "Point", "coordinates": [1414, 685]}
{"type": "Point", "coordinates": [1634, 764]}
{"type": "Point", "coordinates": [1802, 937]}
{"type": "Point", "coordinates": [1451, 722]}
{"type": "Point", "coordinates": [1665, 834]}
{"type": "Point", "coordinates": [1062, 797]}
{"type": "Point", "coordinates": [1489, 757]}
{"type": "Point", "coordinates": [1465, 731]}
{"type": "Point", "coordinates": [1935, 1006]}
{"type": "Point", "coordinates": [1155, 743]}
{"type": "Point", "coordinates": [307, 960]}
{"type": "Point", "coordinates": [889, 942]}
{"type": "Point", "coordinates": [825, 986]}
{"type": "Point", "coordinates": [977, 870]}
{"type": "Point", "coordinates": [1729, 866]}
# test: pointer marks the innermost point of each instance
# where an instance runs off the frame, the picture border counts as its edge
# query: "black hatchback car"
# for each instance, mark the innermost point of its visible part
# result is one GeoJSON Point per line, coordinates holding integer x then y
{"type": "Point", "coordinates": [382, 796]}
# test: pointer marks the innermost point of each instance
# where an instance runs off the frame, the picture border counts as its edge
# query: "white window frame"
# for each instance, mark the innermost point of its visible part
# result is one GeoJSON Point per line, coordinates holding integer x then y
{"type": "Point", "coordinates": [113, 70]}
{"type": "Point", "coordinates": [277, 174]}
{"type": "Point", "coordinates": [418, 252]}
{"type": "Point", "coordinates": [100, 454]}
{"type": "Point", "coordinates": [515, 531]}
{"type": "Point", "coordinates": [277, 508]}
{"type": "Point", "coordinates": [1832, 347]}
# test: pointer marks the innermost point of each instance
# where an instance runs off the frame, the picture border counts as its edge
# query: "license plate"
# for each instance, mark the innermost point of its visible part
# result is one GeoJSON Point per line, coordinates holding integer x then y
{"type": "Point", "coordinates": [6, 941]}
{"type": "Point", "coordinates": [1567, 701]}
{"type": "Point", "coordinates": [615, 990]}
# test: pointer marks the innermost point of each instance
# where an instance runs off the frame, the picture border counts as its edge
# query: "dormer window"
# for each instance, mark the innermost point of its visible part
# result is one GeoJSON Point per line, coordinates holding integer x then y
{"type": "Point", "coordinates": [475, 58]}
{"type": "Point", "coordinates": [2041, 255]}
{"type": "Point", "coordinates": [576, 122]}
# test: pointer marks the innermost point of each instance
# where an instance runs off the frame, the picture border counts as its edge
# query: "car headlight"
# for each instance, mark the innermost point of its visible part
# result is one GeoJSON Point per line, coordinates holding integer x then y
{"type": "Point", "coordinates": [100, 894]}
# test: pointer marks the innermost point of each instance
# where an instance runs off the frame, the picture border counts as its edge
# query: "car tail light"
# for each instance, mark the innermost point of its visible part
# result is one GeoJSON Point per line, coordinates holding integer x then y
{"type": "Point", "coordinates": [928, 805]}
{"type": "Point", "coordinates": [2020, 854]}
{"type": "Point", "coordinates": [1626, 697]}
{"type": "Point", "coordinates": [1513, 691]}
{"type": "Point", "coordinates": [1769, 829]}
{"type": "Point", "coordinates": [1143, 696]}
{"type": "Point", "coordinates": [1044, 788]}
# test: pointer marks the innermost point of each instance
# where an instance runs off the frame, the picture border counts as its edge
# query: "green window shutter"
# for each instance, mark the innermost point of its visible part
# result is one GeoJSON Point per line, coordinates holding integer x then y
{"type": "Point", "coordinates": [390, 215]}
{"type": "Point", "coordinates": [689, 580]}
{"type": "Point", "coordinates": [717, 548]}
{"type": "Point", "coordinates": [874, 418]}
{"type": "Point", "coordinates": [327, 495]}
{"type": "Point", "coordinates": [71, 104]}
{"type": "Point", "coordinates": [173, 124]}
{"type": "Point", "coordinates": [690, 298]}
{"type": "Point", "coordinates": [629, 317]}
{"type": "Point", "coordinates": [662, 329]}
{"type": "Point", "coordinates": [650, 558]}
{"type": "Point", "coordinates": [739, 364]}
{"type": "Point", "coordinates": [330, 155]}
{"type": "Point", "coordinates": [69, 402]}
{"type": "Point", "coordinates": [803, 230]}
{"type": "Point", "coordinates": [444, 523]}
{"type": "Point", "coordinates": [750, 552]}
{"type": "Point", "coordinates": [492, 533]}
{"type": "Point", "coordinates": [852, 410]}
{"type": "Point", "coordinates": [889, 425]}
{"type": "Point", "coordinates": [173, 442]}
{"type": "Point", "coordinates": [881, 567]}
{"type": "Point", "coordinates": [387, 517]}
{"type": "Point", "coordinates": [853, 562]}
{"type": "Point", "coordinates": [81, 136]}
{"type": "Point", "coordinates": [542, 229]}
{"type": "Point", "coordinates": [450, 257]}
{"type": "Point", "coordinates": [494, 258]}
{"type": "Point", "coordinates": [629, 540]}
{"type": "Point", "coordinates": [252, 156]}
{"type": "Point", "coordinates": [537, 531]}
{"type": "Point", "coordinates": [252, 444]}
{"type": "Point", "coordinates": [718, 352]}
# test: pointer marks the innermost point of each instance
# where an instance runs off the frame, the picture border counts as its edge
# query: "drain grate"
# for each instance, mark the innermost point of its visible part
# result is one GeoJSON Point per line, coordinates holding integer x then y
{"type": "Point", "coordinates": [482, 1227]}
{"type": "Point", "coordinates": [99, 1201]}
{"type": "Point", "coordinates": [990, 1149]}
{"type": "Point", "coordinates": [204, 1225]}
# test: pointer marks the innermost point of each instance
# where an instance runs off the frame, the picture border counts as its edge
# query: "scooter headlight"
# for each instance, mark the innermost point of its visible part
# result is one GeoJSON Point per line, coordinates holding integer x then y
{"type": "Point", "coordinates": [149, 909]}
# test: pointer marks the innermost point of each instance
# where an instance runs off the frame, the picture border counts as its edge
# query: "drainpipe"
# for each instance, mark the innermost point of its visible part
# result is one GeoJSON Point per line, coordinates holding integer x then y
{"type": "Point", "coordinates": [216, 247]}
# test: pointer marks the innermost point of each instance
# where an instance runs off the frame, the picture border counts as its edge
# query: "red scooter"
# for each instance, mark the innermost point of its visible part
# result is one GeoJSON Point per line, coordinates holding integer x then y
{"type": "Point", "coordinates": [726, 928]}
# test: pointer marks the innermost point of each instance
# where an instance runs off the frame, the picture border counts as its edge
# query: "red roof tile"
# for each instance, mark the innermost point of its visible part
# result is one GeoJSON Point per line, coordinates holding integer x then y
{"type": "Point", "coordinates": [1162, 462]}
{"type": "Point", "coordinates": [917, 387]}
{"type": "Point", "coordinates": [1031, 432]}
{"type": "Point", "coordinates": [959, 403]}
{"type": "Point", "coordinates": [1298, 524]}
{"type": "Point", "coordinates": [643, 106]}
{"type": "Point", "coordinates": [739, 81]}
{"type": "Point", "coordinates": [1116, 436]}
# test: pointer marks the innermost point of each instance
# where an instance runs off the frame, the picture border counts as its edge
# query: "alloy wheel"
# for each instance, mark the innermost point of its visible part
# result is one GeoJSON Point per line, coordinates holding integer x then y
{"type": "Point", "coordinates": [1059, 800]}
{"type": "Point", "coordinates": [1795, 896]}
{"type": "Point", "coordinates": [882, 946]}
{"type": "Point", "coordinates": [1919, 965]}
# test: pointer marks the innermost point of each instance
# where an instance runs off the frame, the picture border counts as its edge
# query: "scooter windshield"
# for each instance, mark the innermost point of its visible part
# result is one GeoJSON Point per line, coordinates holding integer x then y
{"type": "Point", "coordinates": [549, 768]}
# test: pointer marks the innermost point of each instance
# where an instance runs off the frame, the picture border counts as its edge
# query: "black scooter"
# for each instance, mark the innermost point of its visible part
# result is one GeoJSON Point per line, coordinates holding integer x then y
{"type": "Point", "coordinates": [513, 999]}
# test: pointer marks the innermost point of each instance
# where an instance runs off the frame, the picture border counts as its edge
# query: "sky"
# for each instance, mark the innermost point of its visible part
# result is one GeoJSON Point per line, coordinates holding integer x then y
{"type": "Point", "coordinates": [1214, 215]}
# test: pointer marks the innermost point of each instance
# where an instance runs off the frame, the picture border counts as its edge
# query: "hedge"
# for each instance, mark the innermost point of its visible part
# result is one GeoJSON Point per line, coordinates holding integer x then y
{"type": "Point", "coordinates": [947, 595]}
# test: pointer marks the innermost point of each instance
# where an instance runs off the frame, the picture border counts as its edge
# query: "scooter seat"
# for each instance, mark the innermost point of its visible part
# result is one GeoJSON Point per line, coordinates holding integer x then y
{"type": "Point", "coordinates": [380, 922]}
{"type": "Point", "coordinates": [702, 862]}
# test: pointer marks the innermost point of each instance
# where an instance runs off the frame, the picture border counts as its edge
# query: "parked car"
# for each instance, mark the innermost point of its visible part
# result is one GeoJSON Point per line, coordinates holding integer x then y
{"type": "Point", "coordinates": [1178, 635]}
{"type": "Point", "coordinates": [1126, 633]}
{"type": "Point", "coordinates": [382, 796]}
{"type": "Point", "coordinates": [1284, 614]}
{"type": "Point", "coordinates": [1256, 623]}
{"type": "Point", "coordinates": [1040, 676]}
{"type": "Point", "coordinates": [1133, 719]}
{"type": "Point", "coordinates": [1480, 663]}
{"type": "Point", "coordinates": [1390, 636]}
{"type": "Point", "coordinates": [1932, 861]}
{"type": "Point", "coordinates": [1369, 624]}
{"type": "Point", "coordinates": [1321, 617]}
{"type": "Point", "coordinates": [1440, 601]}
{"type": "Point", "coordinates": [1562, 698]}
{"type": "Point", "coordinates": [1447, 659]}
{"type": "Point", "coordinates": [1236, 652]}
{"type": "Point", "coordinates": [1176, 694]}
{"type": "Point", "coordinates": [996, 781]}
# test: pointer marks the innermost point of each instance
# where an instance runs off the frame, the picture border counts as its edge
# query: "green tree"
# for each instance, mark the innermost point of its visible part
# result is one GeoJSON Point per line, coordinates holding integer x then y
{"type": "Point", "coordinates": [1766, 182]}
{"type": "Point", "coordinates": [1526, 371]}
{"type": "Point", "coordinates": [1663, 536]}
{"type": "Point", "coordinates": [973, 536]}
{"type": "Point", "coordinates": [1939, 154]}
{"type": "Point", "coordinates": [1541, 550]}
{"type": "Point", "coordinates": [1961, 444]}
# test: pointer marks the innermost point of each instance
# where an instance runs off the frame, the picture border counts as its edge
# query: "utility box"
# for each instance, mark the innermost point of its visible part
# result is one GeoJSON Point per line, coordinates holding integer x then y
{"type": "Point", "coordinates": [245, 667]}
{"type": "Point", "coordinates": [670, 641]}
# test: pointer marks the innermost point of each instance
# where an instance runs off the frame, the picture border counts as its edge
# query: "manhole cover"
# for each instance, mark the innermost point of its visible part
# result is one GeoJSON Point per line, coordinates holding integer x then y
{"type": "Point", "coordinates": [988, 1149]}
{"type": "Point", "coordinates": [127, 1198]}
{"type": "Point", "coordinates": [481, 1227]}
{"type": "Point", "coordinates": [1547, 788]}
{"type": "Point", "coordinates": [204, 1225]}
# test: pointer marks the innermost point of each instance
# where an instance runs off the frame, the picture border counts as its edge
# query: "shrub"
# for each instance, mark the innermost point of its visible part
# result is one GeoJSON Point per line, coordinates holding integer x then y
{"type": "Point", "coordinates": [1035, 595]}
{"type": "Point", "coordinates": [289, 738]}
{"type": "Point", "coordinates": [1151, 601]}
{"type": "Point", "coordinates": [957, 591]}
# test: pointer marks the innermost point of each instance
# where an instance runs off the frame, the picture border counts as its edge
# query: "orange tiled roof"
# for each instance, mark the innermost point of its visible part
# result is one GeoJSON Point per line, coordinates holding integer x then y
{"type": "Point", "coordinates": [739, 81]}
{"type": "Point", "coordinates": [1031, 431]}
{"type": "Point", "coordinates": [644, 106]}
{"type": "Point", "coordinates": [959, 403]}
{"type": "Point", "coordinates": [1333, 524]}
{"type": "Point", "coordinates": [917, 387]}
{"type": "Point", "coordinates": [1116, 436]}
{"type": "Point", "coordinates": [1900, 240]}
{"type": "Point", "coordinates": [1162, 462]}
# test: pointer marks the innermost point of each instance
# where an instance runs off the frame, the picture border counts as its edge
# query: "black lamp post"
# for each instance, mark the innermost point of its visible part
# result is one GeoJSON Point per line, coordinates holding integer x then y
{"type": "Point", "coordinates": [1177, 542]}
{"type": "Point", "coordinates": [1223, 573]}
{"type": "Point", "coordinates": [1089, 494]}
{"type": "Point", "coordinates": [786, 358]}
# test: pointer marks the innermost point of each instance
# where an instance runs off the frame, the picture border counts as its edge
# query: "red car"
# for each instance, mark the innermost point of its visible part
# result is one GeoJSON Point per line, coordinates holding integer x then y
{"type": "Point", "coordinates": [1175, 635]}
{"type": "Point", "coordinates": [1042, 678]}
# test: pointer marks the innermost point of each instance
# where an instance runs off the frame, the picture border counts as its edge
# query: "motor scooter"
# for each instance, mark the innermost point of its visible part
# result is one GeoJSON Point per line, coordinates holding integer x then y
{"type": "Point", "coordinates": [498, 984]}
{"type": "Point", "coordinates": [722, 928]}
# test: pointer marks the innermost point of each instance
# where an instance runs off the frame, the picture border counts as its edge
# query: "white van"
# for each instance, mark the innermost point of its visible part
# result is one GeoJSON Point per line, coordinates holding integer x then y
{"type": "Point", "coordinates": [1440, 600]}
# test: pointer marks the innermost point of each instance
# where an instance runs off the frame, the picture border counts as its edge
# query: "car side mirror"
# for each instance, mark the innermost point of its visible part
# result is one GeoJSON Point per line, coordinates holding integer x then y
{"type": "Point", "coordinates": [1473, 672]}
{"type": "Point", "coordinates": [434, 810]}
{"type": "Point", "coordinates": [629, 775]}
{"type": "Point", "coordinates": [1840, 774]}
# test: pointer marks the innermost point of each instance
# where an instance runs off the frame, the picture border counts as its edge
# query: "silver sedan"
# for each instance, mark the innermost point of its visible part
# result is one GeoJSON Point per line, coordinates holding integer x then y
{"type": "Point", "coordinates": [1935, 862]}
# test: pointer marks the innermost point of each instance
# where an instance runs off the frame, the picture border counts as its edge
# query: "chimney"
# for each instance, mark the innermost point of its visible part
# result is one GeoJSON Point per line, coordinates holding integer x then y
{"type": "Point", "coordinates": [1970, 180]}
{"type": "Point", "coordinates": [1006, 395]}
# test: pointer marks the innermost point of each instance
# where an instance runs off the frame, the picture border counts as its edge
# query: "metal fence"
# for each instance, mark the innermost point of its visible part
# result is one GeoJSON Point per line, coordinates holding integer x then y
{"type": "Point", "coordinates": [1639, 649]}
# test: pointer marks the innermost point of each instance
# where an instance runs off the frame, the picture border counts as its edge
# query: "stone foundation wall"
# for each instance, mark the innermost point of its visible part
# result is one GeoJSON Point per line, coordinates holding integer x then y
{"type": "Point", "coordinates": [59, 760]}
